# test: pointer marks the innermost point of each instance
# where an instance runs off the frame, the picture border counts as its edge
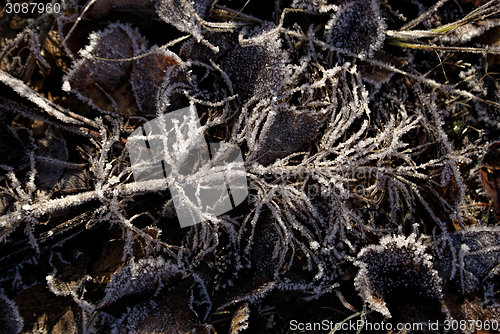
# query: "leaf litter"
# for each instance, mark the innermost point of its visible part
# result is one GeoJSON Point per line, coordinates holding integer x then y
{"type": "Point", "coordinates": [369, 156]}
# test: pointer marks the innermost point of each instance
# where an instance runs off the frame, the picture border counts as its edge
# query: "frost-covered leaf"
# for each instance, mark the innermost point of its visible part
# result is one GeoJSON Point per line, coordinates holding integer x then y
{"type": "Point", "coordinates": [253, 70]}
{"type": "Point", "coordinates": [187, 16]}
{"type": "Point", "coordinates": [289, 126]}
{"type": "Point", "coordinates": [285, 131]}
{"type": "Point", "coordinates": [397, 279]}
{"type": "Point", "coordinates": [105, 84]}
{"type": "Point", "coordinates": [67, 278]}
{"type": "Point", "coordinates": [478, 255]}
{"type": "Point", "coordinates": [52, 153]}
{"type": "Point", "coordinates": [168, 312]}
{"type": "Point", "coordinates": [357, 27]}
{"type": "Point", "coordinates": [147, 76]}
{"type": "Point", "coordinates": [257, 70]}
{"type": "Point", "coordinates": [145, 275]}
{"type": "Point", "coordinates": [240, 319]}
{"type": "Point", "coordinates": [10, 320]}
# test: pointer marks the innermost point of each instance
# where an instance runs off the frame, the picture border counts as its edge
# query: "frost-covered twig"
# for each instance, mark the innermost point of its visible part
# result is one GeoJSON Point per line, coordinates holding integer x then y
{"type": "Point", "coordinates": [48, 106]}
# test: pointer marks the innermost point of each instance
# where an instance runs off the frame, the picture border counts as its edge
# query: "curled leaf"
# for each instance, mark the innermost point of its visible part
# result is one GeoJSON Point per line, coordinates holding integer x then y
{"type": "Point", "coordinates": [396, 278]}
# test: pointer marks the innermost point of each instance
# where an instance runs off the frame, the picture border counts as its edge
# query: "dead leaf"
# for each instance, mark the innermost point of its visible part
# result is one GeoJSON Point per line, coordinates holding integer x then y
{"type": "Point", "coordinates": [240, 319]}
{"type": "Point", "coordinates": [147, 76]}
{"type": "Point", "coordinates": [10, 320]}
{"type": "Point", "coordinates": [380, 75]}
{"type": "Point", "coordinates": [168, 312]}
{"type": "Point", "coordinates": [105, 84]}
{"type": "Point", "coordinates": [490, 175]}
{"type": "Point", "coordinates": [53, 147]}
{"type": "Point", "coordinates": [135, 8]}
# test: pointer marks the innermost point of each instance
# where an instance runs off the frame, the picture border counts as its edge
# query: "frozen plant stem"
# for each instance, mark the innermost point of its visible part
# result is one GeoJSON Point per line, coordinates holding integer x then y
{"type": "Point", "coordinates": [48, 106]}
{"type": "Point", "coordinates": [11, 221]}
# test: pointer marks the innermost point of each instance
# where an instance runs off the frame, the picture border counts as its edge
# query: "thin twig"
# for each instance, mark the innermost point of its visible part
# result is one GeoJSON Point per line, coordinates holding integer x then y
{"type": "Point", "coordinates": [90, 3]}
{"type": "Point", "coordinates": [175, 41]}
{"type": "Point", "coordinates": [422, 17]}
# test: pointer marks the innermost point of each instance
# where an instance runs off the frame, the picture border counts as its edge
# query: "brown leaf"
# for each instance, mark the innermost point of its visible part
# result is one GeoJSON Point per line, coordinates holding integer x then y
{"type": "Point", "coordinates": [124, 86]}
{"type": "Point", "coordinates": [147, 76]}
{"type": "Point", "coordinates": [101, 83]}
{"type": "Point", "coordinates": [43, 311]}
{"type": "Point", "coordinates": [240, 319]}
{"type": "Point", "coordinates": [490, 175]}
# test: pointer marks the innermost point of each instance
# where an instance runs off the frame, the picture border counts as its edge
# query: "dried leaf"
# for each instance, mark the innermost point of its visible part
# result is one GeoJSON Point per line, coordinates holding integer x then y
{"type": "Point", "coordinates": [490, 175]}
{"type": "Point", "coordinates": [478, 255]}
{"type": "Point", "coordinates": [257, 70]}
{"type": "Point", "coordinates": [137, 278]}
{"type": "Point", "coordinates": [41, 310]}
{"type": "Point", "coordinates": [52, 152]}
{"type": "Point", "coordinates": [357, 27]}
{"type": "Point", "coordinates": [240, 319]}
{"type": "Point", "coordinates": [147, 76]}
{"type": "Point", "coordinates": [67, 278]}
{"type": "Point", "coordinates": [12, 150]}
{"type": "Point", "coordinates": [286, 131]}
{"type": "Point", "coordinates": [10, 320]}
{"type": "Point", "coordinates": [105, 84]}
{"type": "Point", "coordinates": [168, 312]}
{"type": "Point", "coordinates": [396, 278]}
